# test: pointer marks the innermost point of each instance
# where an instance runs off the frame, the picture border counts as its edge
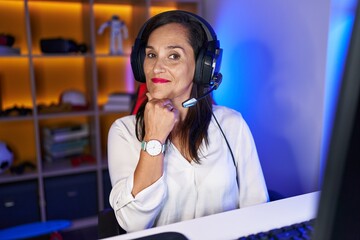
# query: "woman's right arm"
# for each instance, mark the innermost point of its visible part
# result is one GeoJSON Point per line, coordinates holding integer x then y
{"type": "Point", "coordinates": [133, 211]}
{"type": "Point", "coordinates": [137, 177]}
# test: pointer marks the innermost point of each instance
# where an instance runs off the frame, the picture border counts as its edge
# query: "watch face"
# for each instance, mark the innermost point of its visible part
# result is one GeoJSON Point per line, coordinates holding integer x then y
{"type": "Point", "coordinates": [153, 147]}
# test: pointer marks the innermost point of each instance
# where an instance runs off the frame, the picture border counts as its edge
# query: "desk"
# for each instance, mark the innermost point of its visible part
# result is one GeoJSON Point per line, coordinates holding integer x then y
{"type": "Point", "coordinates": [240, 222]}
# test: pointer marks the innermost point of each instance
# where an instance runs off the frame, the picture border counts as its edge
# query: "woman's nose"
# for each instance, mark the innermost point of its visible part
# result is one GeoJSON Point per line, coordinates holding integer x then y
{"type": "Point", "coordinates": [159, 67]}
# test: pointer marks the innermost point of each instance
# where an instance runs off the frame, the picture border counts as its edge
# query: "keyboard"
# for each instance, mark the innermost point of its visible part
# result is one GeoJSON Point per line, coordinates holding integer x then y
{"type": "Point", "coordinates": [298, 231]}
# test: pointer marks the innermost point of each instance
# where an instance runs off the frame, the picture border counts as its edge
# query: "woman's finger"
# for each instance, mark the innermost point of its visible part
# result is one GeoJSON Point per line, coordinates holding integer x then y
{"type": "Point", "coordinates": [149, 96]}
{"type": "Point", "coordinates": [169, 106]}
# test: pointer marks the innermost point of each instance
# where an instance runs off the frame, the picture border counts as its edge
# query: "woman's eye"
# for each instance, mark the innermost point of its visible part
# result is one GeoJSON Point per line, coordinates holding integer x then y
{"type": "Point", "coordinates": [174, 56]}
{"type": "Point", "coordinates": [150, 55]}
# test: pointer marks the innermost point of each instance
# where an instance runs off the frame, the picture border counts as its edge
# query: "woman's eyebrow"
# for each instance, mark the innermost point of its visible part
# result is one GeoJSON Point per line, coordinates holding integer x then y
{"type": "Point", "coordinates": [168, 47]}
{"type": "Point", "coordinates": [176, 47]}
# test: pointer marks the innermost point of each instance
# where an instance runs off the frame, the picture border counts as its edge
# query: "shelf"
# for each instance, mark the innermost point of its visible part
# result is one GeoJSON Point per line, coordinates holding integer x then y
{"type": "Point", "coordinates": [108, 112]}
{"type": "Point", "coordinates": [15, 73]}
{"type": "Point", "coordinates": [4, 56]}
{"type": "Point", "coordinates": [107, 55]}
{"type": "Point", "coordinates": [13, 22]}
{"type": "Point", "coordinates": [8, 178]}
{"type": "Point", "coordinates": [36, 82]}
{"type": "Point", "coordinates": [65, 168]}
{"type": "Point", "coordinates": [53, 19]}
{"type": "Point", "coordinates": [15, 118]}
{"type": "Point", "coordinates": [67, 55]}
{"type": "Point", "coordinates": [104, 12]}
{"type": "Point", "coordinates": [19, 136]}
{"type": "Point", "coordinates": [66, 115]}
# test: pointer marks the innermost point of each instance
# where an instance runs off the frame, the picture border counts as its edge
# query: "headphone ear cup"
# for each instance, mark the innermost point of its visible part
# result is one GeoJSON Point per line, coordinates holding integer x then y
{"type": "Point", "coordinates": [207, 72]}
{"type": "Point", "coordinates": [198, 75]}
{"type": "Point", "coordinates": [204, 67]}
{"type": "Point", "coordinates": [137, 61]}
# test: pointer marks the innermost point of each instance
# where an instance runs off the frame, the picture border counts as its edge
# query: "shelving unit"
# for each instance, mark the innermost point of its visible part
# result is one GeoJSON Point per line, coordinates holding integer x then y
{"type": "Point", "coordinates": [58, 190]}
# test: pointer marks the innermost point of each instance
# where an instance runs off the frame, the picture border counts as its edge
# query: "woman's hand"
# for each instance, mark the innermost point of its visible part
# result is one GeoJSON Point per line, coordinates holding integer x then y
{"type": "Point", "coordinates": [160, 117]}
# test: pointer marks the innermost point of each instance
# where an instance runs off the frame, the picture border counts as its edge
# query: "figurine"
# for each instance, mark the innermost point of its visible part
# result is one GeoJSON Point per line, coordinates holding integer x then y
{"type": "Point", "coordinates": [118, 32]}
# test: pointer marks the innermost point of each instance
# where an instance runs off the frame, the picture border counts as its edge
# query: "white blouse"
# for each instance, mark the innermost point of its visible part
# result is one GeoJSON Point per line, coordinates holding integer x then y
{"type": "Point", "coordinates": [186, 190]}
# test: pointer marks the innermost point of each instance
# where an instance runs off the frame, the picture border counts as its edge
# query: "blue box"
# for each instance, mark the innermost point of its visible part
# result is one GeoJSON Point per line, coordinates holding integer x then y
{"type": "Point", "coordinates": [71, 197]}
{"type": "Point", "coordinates": [19, 203]}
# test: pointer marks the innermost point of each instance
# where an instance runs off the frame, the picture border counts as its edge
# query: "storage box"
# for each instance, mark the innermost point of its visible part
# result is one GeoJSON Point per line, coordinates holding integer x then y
{"type": "Point", "coordinates": [19, 203]}
{"type": "Point", "coordinates": [71, 197]}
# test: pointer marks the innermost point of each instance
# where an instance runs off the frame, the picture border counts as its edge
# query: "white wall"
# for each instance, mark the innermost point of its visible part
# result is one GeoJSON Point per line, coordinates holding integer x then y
{"type": "Point", "coordinates": [274, 73]}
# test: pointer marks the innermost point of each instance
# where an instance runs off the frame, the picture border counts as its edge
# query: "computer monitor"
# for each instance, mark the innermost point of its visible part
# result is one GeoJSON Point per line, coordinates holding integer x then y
{"type": "Point", "coordinates": [338, 214]}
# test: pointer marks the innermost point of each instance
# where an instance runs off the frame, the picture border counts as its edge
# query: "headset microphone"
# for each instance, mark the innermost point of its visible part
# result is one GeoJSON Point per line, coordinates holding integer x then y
{"type": "Point", "coordinates": [192, 101]}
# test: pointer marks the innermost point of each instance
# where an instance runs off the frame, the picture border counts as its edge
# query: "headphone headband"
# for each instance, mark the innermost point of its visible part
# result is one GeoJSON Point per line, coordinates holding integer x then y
{"type": "Point", "coordinates": [210, 34]}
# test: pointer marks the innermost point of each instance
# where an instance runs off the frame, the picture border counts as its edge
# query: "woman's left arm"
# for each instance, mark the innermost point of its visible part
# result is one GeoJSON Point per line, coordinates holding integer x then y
{"type": "Point", "coordinates": [252, 186]}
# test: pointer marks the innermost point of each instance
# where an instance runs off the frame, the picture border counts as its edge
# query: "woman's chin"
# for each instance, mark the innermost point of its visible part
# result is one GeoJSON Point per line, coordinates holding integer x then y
{"type": "Point", "coordinates": [159, 95]}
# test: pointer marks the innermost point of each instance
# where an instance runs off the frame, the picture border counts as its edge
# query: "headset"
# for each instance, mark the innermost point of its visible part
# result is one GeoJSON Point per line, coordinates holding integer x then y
{"type": "Point", "coordinates": [207, 64]}
{"type": "Point", "coordinates": [208, 61]}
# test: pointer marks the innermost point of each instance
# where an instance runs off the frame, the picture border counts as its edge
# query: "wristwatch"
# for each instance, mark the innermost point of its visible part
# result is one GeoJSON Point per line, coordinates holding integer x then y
{"type": "Point", "coordinates": [153, 147]}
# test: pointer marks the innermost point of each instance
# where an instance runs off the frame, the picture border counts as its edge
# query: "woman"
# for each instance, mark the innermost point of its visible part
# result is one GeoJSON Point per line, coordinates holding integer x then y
{"type": "Point", "coordinates": [170, 163]}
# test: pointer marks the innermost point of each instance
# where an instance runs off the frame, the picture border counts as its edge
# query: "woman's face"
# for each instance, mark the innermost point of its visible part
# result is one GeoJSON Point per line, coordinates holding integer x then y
{"type": "Point", "coordinates": [169, 63]}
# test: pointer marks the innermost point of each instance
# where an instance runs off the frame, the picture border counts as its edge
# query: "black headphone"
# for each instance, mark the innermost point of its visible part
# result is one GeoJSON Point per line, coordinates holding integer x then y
{"type": "Point", "coordinates": [208, 61]}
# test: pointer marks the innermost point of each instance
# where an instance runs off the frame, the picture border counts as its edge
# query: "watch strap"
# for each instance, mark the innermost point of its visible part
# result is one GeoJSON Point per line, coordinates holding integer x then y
{"type": "Point", "coordinates": [143, 145]}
